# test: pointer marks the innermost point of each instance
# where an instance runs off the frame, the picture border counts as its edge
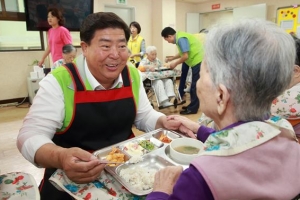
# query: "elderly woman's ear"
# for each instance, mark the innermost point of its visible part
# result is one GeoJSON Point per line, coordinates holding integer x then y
{"type": "Point", "coordinates": [223, 97]}
{"type": "Point", "coordinates": [296, 76]}
{"type": "Point", "coordinates": [296, 71]}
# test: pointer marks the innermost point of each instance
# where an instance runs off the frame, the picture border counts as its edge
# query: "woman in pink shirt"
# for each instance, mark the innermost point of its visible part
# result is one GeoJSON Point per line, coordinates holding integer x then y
{"type": "Point", "coordinates": [58, 36]}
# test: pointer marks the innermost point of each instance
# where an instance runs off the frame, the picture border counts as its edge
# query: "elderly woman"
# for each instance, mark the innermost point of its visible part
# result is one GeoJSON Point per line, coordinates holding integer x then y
{"type": "Point", "coordinates": [287, 105]}
{"type": "Point", "coordinates": [164, 88]}
{"type": "Point", "coordinates": [246, 66]}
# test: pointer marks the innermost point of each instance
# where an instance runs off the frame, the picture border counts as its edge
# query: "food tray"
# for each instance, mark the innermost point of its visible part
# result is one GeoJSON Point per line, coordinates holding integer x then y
{"type": "Point", "coordinates": [156, 159]}
{"type": "Point", "coordinates": [162, 69]}
{"type": "Point", "coordinates": [150, 161]}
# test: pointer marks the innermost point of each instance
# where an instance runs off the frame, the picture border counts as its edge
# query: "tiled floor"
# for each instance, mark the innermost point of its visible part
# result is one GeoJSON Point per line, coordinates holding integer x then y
{"type": "Point", "coordinates": [11, 119]}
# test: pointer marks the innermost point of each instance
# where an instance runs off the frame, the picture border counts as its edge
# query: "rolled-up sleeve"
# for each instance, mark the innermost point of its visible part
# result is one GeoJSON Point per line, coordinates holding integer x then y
{"type": "Point", "coordinates": [43, 119]}
{"type": "Point", "coordinates": [146, 117]}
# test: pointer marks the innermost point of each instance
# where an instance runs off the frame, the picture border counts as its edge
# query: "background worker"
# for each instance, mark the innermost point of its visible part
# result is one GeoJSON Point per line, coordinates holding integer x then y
{"type": "Point", "coordinates": [190, 55]}
{"type": "Point", "coordinates": [136, 43]}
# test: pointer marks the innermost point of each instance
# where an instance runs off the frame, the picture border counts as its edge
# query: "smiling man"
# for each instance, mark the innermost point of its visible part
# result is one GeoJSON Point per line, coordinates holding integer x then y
{"type": "Point", "coordinates": [87, 105]}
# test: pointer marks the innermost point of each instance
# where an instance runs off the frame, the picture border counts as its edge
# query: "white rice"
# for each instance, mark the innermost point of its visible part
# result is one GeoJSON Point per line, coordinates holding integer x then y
{"type": "Point", "coordinates": [135, 159]}
{"type": "Point", "coordinates": [140, 178]}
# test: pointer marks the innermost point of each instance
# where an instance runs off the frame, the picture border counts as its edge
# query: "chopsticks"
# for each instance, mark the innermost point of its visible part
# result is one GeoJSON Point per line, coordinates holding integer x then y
{"type": "Point", "coordinates": [102, 162]}
{"type": "Point", "coordinates": [110, 162]}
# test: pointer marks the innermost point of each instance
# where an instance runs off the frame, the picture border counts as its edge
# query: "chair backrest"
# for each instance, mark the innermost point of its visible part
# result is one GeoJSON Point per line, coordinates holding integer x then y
{"type": "Point", "coordinates": [18, 185]}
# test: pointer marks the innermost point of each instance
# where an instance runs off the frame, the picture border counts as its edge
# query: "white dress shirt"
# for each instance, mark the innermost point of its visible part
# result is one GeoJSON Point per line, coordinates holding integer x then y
{"type": "Point", "coordinates": [47, 113]}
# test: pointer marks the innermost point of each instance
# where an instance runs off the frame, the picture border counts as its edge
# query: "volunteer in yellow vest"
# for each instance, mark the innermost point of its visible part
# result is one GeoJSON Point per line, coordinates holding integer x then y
{"type": "Point", "coordinates": [136, 43]}
{"type": "Point", "coordinates": [190, 54]}
{"type": "Point", "coordinates": [87, 105]}
{"type": "Point", "coordinates": [201, 37]}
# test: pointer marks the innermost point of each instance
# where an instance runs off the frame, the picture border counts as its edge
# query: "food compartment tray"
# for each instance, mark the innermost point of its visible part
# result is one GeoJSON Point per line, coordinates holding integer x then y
{"type": "Point", "coordinates": [169, 134]}
{"type": "Point", "coordinates": [157, 159]}
{"type": "Point", "coordinates": [151, 162]}
{"type": "Point", "coordinates": [134, 147]}
{"type": "Point", "coordinates": [101, 154]}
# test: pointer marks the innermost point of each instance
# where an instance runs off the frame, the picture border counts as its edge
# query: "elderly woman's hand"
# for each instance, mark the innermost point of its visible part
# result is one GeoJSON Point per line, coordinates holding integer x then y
{"type": "Point", "coordinates": [166, 178]}
{"type": "Point", "coordinates": [152, 68]}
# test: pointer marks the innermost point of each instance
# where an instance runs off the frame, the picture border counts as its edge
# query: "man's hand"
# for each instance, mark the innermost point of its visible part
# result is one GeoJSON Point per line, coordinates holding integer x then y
{"type": "Point", "coordinates": [187, 126]}
{"type": "Point", "coordinates": [79, 165]}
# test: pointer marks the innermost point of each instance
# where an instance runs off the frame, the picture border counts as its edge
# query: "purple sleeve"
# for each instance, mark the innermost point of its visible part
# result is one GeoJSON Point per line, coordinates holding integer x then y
{"type": "Point", "coordinates": [203, 133]}
{"type": "Point", "coordinates": [190, 185]}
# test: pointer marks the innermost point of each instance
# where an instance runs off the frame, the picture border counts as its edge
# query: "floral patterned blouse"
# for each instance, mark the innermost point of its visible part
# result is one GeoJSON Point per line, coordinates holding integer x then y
{"type": "Point", "coordinates": [287, 105]}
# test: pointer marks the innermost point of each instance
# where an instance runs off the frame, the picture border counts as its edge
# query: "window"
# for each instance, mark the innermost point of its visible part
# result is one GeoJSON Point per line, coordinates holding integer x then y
{"type": "Point", "coordinates": [13, 33]}
{"type": "Point", "coordinates": [12, 10]}
{"type": "Point", "coordinates": [76, 38]}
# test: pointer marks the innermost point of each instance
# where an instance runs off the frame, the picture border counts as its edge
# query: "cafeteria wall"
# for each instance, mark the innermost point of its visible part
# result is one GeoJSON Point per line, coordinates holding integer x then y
{"type": "Point", "coordinates": [272, 6]}
{"type": "Point", "coordinates": [153, 15]}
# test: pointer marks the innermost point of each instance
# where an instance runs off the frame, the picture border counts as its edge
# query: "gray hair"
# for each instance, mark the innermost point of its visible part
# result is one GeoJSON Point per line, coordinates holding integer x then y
{"type": "Point", "coordinates": [68, 48]}
{"type": "Point", "coordinates": [254, 59]}
{"type": "Point", "coordinates": [149, 49]}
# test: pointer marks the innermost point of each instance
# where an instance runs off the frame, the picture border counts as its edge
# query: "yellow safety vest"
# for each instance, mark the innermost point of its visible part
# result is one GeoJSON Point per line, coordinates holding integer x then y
{"type": "Point", "coordinates": [135, 46]}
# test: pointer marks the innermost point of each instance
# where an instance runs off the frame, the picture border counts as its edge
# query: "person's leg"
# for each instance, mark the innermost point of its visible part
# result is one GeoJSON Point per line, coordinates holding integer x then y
{"type": "Point", "coordinates": [184, 72]}
{"type": "Point", "coordinates": [169, 87]}
{"type": "Point", "coordinates": [193, 107]}
{"type": "Point", "coordinates": [188, 81]}
{"type": "Point", "coordinates": [160, 91]}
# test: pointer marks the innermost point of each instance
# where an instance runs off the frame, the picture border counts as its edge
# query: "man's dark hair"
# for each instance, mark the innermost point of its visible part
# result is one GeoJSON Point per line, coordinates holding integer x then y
{"type": "Point", "coordinates": [136, 25]}
{"type": "Point", "coordinates": [167, 31]}
{"type": "Point", "coordinates": [100, 21]}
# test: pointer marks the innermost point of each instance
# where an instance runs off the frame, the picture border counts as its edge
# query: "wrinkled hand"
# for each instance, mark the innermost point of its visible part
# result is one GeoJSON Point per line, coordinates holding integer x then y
{"type": "Point", "coordinates": [166, 178]}
{"type": "Point", "coordinates": [187, 126]}
{"type": "Point", "coordinates": [152, 69]}
{"type": "Point", "coordinates": [80, 166]}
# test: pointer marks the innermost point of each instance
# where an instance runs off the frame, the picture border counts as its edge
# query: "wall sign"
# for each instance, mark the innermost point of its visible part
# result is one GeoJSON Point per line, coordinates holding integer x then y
{"type": "Point", "coordinates": [123, 2]}
{"type": "Point", "coordinates": [215, 6]}
{"type": "Point", "coordinates": [288, 18]}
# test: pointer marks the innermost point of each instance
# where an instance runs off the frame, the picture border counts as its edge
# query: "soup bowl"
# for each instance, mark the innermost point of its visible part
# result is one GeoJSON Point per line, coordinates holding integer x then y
{"type": "Point", "coordinates": [185, 146]}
